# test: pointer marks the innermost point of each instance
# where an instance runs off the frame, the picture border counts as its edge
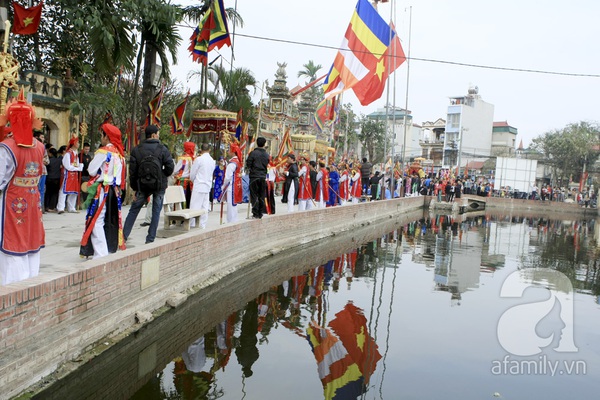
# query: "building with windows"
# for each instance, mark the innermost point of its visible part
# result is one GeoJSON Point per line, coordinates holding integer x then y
{"type": "Point", "coordinates": [468, 133]}
{"type": "Point", "coordinates": [504, 139]}
{"type": "Point", "coordinates": [432, 141]}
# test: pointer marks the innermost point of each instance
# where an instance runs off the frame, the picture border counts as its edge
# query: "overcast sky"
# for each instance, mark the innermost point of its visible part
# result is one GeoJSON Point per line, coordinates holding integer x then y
{"type": "Point", "coordinates": [552, 36]}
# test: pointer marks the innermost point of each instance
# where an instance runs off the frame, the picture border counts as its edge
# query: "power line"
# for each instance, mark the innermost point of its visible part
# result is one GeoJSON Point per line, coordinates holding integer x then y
{"type": "Point", "coordinates": [322, 46]}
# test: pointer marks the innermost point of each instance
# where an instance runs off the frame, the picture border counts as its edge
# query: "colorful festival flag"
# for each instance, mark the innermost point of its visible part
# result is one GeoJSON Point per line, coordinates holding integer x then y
{"type": "Point", "coordinates": [27, 20]}
{"type": "Point", "coordinates": [350, 325]}
{"type": "Point", "coordinates": [154, 107]}
{"type": "Point", "coordinates": [285, 146]}
{"type": "Point", "coordinates": [239, 125]}
{"type": "Point", "coordinates": [339, 374]}
{"type": "Point", "coordinates": [369, 52]}
{"type": "Point", "coordinates": [212, 32]}
{"type": "Point", "coordinates": [326, 113]}
{"type": "Point", "coordinates": [176, 122]}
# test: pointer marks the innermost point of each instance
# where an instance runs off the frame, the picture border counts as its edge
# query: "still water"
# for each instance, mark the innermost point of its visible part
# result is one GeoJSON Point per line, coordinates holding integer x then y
{"type": "Point", "coordinates": [467, 307]}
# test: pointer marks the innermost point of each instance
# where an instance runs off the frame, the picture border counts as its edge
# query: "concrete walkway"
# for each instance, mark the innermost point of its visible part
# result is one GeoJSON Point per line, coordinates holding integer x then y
{"type": "Point", "coordinates": [64, 231]}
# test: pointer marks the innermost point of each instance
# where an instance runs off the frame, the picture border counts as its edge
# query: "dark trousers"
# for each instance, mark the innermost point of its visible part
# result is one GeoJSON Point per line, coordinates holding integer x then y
{"type": "Point", "coordinates": [51, 195]}
{"type": "Point", "coordinates": [257, 196]}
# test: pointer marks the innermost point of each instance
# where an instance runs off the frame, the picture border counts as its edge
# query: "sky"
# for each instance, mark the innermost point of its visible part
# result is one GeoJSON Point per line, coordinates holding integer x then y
{"type": "Point", "coordinates": [551, 36]}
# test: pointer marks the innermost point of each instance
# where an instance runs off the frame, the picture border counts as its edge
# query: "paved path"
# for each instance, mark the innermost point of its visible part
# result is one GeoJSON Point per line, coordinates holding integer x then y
{"type": "Point", "coordinates": [64, 231]}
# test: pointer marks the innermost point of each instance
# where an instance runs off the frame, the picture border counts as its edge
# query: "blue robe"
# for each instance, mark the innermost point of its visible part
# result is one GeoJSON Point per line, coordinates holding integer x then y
{"type": "Point", "coordinates": [219, 175]}
{"type": "Point", "coordinates": [334, 188]}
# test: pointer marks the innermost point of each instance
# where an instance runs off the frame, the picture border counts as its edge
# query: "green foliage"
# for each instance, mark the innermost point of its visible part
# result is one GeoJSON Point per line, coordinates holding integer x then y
{"type": "Point", "coordinates": [315, 93]}
{"type": "Point", "coordinates": [347, 126]}
{"type": "Point", "coordinates": [567, 149]}
{"type": "Point", "coordinates": [232, 90]}
{"type": "Point", "coordinates": [372, 136]}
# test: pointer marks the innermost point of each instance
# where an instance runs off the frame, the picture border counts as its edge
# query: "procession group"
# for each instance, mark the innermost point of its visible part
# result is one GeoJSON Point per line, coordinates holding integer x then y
{"type": "Point", "coordinates": [204, 180]}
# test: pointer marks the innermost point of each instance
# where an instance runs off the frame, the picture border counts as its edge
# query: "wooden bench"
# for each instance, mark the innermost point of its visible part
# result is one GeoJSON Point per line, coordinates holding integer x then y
{"type": "Point", "coordinates": [174, 211]}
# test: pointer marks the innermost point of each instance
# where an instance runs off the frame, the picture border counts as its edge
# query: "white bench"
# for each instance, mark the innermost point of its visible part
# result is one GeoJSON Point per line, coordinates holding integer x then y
{"type": "Point", "coordinates": [173, 204]}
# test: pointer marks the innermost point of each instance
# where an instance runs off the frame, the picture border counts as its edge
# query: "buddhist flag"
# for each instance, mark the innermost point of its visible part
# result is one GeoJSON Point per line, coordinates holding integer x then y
{"type": "Point", "coordinates": [369, 52]}
{"type": "Point", "coordinates": [154, 107]}
{"type": "Point", "coordinates": [176, 122]}
{"type": "Point", "coordinates": [212, 32]}
{"type": "Point", "coordinates": [339, 374]}
{"type": "Point", "coordinates": [27, 20]}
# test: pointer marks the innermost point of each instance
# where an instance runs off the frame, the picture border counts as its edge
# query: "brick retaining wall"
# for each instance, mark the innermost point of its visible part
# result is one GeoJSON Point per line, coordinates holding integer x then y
{"type": "Point", "coordinates": [52, 318]}
{"type": "Point", "coordinates": [519, 206]}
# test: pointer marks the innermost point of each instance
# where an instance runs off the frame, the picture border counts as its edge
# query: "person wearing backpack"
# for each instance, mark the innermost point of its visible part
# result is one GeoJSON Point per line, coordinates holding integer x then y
{"type": "Point", "coordinates": [150, 165]}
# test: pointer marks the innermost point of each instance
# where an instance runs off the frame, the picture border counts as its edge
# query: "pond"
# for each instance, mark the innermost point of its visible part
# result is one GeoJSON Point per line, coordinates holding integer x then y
{"type": "Point", "coordinates": [470, 307]}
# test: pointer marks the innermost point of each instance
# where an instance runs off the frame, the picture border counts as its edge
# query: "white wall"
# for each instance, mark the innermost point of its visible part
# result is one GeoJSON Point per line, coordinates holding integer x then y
{"type": "Point", "coordinates": [518, 173]}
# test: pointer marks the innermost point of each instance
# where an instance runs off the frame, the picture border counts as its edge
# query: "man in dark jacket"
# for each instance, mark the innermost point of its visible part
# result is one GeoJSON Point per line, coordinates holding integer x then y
{"type": "Point", "coordinates": [365, 174]}
{"type": "Point", "coordinates": [257, 163]}
{"type": "Point", "coordinates": [151, 146]}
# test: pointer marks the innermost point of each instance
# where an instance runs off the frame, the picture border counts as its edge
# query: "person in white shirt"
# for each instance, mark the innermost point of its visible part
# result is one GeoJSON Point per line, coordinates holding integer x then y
{"type": "Point", "coordinates": [201, 175]}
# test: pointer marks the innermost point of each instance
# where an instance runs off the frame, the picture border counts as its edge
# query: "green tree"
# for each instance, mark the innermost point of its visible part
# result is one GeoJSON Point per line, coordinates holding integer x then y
{"type": "Point", "coordinates": [345, 136]}
{"type": "Point", "coordinates": [232, 90]}
{"type": "Point", "coordinates": [310, 72]}
{"type": "Point", "coordinates": [372, 136]}
{"type": "Point", "coordinates": [566, 150]}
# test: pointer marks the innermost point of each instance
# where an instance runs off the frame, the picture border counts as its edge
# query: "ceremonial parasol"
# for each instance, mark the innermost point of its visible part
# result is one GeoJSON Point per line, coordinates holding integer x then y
{"type": "Point", "coordinates": [213, 123]}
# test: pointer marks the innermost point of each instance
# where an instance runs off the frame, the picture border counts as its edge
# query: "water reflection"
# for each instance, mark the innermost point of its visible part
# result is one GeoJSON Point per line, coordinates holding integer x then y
{"type": "Point", "coordinates": [383, 319]}
{"type": "Point", "coordinates": [460, 252]}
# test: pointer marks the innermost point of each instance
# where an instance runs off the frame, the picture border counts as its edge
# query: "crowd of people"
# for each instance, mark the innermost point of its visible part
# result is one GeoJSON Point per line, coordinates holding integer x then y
{"type": "Point", "coordinates": [67, 179]}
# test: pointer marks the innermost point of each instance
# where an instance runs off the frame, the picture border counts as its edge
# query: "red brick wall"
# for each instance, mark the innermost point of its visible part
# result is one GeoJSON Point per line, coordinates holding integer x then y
{"type": "Point", "coordinates": [54, 317]}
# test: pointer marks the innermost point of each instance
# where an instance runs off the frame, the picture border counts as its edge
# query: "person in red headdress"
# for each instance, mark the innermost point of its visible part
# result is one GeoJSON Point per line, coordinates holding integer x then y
{"type": "Point", "coordinates": [69, 186]}
{"type": "Point", "coordinates": [103, 224]}
{"type": "Point", "coordinates": [22, 232]}
{"type": "Point", "coordinates": [232, 185]}
{"type": "Point", "coordinates": [183, 169]}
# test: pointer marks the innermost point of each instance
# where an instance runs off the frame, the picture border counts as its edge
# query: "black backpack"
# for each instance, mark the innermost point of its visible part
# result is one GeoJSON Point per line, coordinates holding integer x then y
{"type": "Point", "coordinates": [150, 172]}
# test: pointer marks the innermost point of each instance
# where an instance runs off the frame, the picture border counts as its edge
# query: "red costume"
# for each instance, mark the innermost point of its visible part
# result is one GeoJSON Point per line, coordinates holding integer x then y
{"type": "Point", "coordinates": [237, 181]}
{"type": "Point", "coordinates": [356, 185]}
{"type": "Point", "coordinates": [323, 186]}
{"type": "Point", "coordinates": [70, 179]}
{"type": "Point", "coordinates": [305, 190]}
{"type": "Point", "coordinates": [23, 230]}
{"type": "Point", "coordinates": [345, 186]}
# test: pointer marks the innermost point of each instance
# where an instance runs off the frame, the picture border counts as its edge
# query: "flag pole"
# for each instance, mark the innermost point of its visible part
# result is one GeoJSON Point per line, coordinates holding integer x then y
{"type": "Point", "coordinates": [395, 60]}
{"type": "Point", "coordinates": [407, 81]}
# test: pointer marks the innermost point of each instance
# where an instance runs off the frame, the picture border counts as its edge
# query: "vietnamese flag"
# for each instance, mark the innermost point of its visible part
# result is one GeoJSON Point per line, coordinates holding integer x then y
{"type": "Point", "coordinates": [27, 20]}
{"type": "Point", "coordinates": [350, 325]}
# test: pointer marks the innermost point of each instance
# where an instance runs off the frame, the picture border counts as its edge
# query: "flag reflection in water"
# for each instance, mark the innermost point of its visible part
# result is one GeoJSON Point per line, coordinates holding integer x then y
{"type": "Point", "coordinates": [345, 362]}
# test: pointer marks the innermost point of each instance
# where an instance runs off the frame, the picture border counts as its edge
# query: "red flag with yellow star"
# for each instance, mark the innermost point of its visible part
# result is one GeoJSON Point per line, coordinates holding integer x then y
{"type": "Point", "coordinates": [350, 325]}
{"type": "Point", "coordinates": [27, 20]}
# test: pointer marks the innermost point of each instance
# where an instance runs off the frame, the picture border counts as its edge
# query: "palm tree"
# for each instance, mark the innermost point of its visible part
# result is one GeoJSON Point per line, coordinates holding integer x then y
{"type": "Point", "coordinates": [158, 37]}
{"type": "Point", "coordinates": [232, 89]}
{"type": "Point", "coordinates": [310, 71]}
